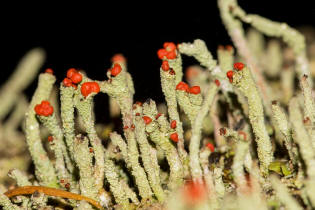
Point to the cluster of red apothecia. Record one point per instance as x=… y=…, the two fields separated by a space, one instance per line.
x=73 y=78
x=89 y=87
x=238 y=67
x=167 y=52
x=185 y=87
x=44 y=109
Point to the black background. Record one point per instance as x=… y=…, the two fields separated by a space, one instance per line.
x=86 y=37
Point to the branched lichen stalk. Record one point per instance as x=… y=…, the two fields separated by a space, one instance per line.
x=284 y=127
x=115 y=186
x=85 y=110
x=301 y=137
x=168 y=87
x=83 y=159
x=44 y=169
x=121 y=89
x=243 y=80
x=58 y=146
x=159 y=134
x=136 y=169
x=130 y=154
x=149 y=164
x=194 y=145
x=67 y=116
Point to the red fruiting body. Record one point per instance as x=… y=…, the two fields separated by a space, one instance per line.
x=194 y=193
x=217 y=82
x=191 y=73
x=115 y=70
x=118 y=58
x=91 y=150
x=161 y=53
x=67 y=186
x=173 y=124
x=76 y=78
x=222 y=131
x=238 y=66
x=210 y=147
x=169 y=46
x=137 y=114
x=174 y=137
x=44 y=109
x=194 y=90
x=229 y=75
x=125 y=127
x=132 y=126
x=89 y=87
x=49 y=71
x=147 y=119
x=50 y=138
x=169 y=51
x=67 y=82
x=165 y=65
x=182 y=86
x=171 y=55
x=71 y=72
x=158 y=115
x=73 y=77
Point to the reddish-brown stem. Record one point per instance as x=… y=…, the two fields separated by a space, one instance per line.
x=28 y=190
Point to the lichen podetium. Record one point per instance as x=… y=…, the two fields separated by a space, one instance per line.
x=234 y=132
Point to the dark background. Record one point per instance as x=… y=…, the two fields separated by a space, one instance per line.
x=87 y=37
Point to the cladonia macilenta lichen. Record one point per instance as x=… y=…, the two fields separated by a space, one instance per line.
x=233 y=133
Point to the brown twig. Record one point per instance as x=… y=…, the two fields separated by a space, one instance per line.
x=28 y=190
